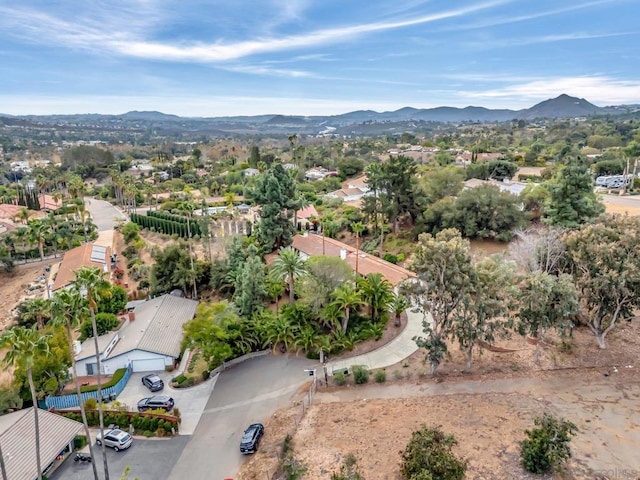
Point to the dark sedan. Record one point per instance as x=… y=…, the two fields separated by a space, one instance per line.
x=251 y=438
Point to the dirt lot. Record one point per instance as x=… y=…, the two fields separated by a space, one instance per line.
x=487 y=411
x=14 y=285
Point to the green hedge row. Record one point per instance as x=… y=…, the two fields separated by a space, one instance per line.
x=168 y=227
x=142 y=422
x=117 y=376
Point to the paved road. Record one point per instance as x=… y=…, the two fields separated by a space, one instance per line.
x=247 y=393
x=103 y=214
x=393 y=352
x=148 y=458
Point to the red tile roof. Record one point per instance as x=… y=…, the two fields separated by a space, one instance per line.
x=311 y=245
x=307 y=212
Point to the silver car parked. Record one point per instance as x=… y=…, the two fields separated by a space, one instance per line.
x=116 y=439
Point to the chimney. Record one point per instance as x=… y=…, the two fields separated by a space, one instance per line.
x=343 y=253
x=132 y=316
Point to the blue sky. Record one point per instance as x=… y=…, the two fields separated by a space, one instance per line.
x=312 y=57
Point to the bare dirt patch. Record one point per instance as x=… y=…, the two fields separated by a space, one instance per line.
x=14 y=285
x=488 y=418
x=487 y=410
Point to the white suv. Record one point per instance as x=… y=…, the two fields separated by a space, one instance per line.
x=117 y=439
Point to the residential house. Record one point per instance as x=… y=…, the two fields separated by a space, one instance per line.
x=87 y=255
x=311 y=244
x=149 y=339
x=17 y=437
x=251 y=172
x=318 y=173
x=48 y=203
x=514 y=188
x=353 y=190
x=304 y=217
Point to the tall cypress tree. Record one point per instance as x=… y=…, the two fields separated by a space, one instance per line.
x=276 y=193
x=572 y=200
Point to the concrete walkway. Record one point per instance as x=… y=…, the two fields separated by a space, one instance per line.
x=393 y=352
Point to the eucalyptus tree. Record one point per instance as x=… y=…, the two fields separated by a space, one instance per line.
x=91 y=283
x=606 y=268
x=444 y=268
x=24 y=344
x=70 y=308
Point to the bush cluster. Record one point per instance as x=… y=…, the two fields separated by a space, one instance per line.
x=360 y=374
x=141 y=422
x=117 y=376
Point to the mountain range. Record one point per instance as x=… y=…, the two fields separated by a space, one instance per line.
x=563 y=106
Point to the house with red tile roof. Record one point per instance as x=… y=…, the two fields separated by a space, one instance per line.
x=311 y=244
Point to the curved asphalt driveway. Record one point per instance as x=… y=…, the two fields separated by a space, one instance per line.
x=247 y=393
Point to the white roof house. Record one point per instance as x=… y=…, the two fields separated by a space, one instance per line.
x=149 y=340
x=17 y=437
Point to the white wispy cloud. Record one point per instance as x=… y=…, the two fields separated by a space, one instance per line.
x=526 y=17
x=43 y=27
x=599 y=89
x=553 y=38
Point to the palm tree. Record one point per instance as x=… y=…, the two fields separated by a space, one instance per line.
x=91 y=283
x=346 y=297
x=376 y=292
x=289 y=266
x=69 y=308
x=275 y=289
x=357 y=228
x=36 y=310
x=21 y=235
x=38 y=233
x=398 y=304
x=23 y=215
x=280 y=331
x=24 y=345
x=307 y=339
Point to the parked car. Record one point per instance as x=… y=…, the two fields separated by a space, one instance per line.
x=152 y=403
x=251 y=438
x=116 y=439
x=153 y=382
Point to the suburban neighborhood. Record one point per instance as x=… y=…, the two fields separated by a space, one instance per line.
x=197 y=328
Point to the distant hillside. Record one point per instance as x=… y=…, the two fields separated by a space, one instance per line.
x=152 y=116
x=563 y=106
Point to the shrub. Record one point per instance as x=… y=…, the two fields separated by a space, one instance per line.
x=79 y=442
x=148 y=434
x=339 y=378
x=547 y=446
x=428 y=455
x=390 y=257
x=397 y=374
x=117 y=376
x=205 y=375
x=105 y=322
x=179 y=379
x=380 y=376
x=90 y=403
x=360 y=374
x=160 y=432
